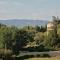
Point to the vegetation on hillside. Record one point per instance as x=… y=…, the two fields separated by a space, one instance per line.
x=28 y=38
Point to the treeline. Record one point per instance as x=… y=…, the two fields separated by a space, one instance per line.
x=15 y=39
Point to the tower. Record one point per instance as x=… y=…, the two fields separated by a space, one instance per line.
x=51 y=28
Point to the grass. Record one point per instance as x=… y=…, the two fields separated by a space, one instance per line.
x=52 y=58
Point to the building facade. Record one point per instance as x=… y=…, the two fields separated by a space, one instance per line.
x=51 y=28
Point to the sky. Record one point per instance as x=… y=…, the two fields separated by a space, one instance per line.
x=29 y=9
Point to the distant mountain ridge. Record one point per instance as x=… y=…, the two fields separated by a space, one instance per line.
x=22 y=22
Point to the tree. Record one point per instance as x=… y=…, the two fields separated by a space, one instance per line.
x=39 y=38
x=50 y=41
x=43 y=29
x=56 y=19
x=37 y=28
x=21 y=40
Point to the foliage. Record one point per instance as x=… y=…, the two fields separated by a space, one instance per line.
x=40 y=28
x=36 y=37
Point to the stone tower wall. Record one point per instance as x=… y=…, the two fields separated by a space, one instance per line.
x=51 y=27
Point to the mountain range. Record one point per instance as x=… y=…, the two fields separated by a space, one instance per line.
x=24 y=22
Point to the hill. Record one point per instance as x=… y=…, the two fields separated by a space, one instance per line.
x=23 y=22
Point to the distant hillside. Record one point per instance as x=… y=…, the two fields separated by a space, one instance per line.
x=21 y=23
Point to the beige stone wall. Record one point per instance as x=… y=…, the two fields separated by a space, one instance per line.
x=51 y=27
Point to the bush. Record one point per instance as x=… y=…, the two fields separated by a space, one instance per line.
x=26 y=56
x=46 y=55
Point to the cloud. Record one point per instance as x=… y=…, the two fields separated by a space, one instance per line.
x=27 y=9
x=18 y=3
x=45 y=15
x=3 y=2
x=9 y=2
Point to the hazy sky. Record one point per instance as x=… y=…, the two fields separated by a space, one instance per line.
x=29 y=9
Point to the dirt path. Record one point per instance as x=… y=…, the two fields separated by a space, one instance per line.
x=53 y=58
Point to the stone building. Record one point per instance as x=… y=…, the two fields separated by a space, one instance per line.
x=51 y=27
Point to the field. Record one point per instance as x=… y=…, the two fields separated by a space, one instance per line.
x=52 y=58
